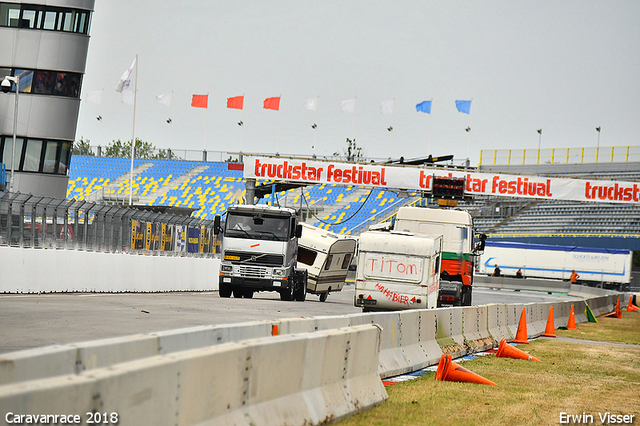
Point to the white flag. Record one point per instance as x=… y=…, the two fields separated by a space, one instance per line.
x=95 y=97
x=311 y=104
x=127 y=97
x=387 y=107
x=349 y=105
x=125 y=80
x=181 y=240
x=164 y=99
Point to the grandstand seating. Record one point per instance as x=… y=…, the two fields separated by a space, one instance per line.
x=210 y=187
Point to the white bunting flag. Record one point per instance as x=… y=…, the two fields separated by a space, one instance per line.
x=348 y=105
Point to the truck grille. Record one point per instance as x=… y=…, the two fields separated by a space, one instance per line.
x=252 y=272
x=250 y=259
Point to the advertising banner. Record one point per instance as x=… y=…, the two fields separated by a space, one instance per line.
x=193 y=243
x=181 y=239
x=421 y=179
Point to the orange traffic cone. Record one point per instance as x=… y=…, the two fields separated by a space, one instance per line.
x=571 y=325
x=631 y=307
x=505 y=350
x=521 y=335
x=550 y=330
x=617 y=313
x=452 y=372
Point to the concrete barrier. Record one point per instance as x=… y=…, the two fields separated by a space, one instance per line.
x=531 y=284
x=408 y=342
x=103 y=272
x=474 y=328
x=449 y=332
x=539 y=313
x=497 y=322
x=296 y=379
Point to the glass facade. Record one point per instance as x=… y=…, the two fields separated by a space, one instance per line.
x=40 y=82
x=41 y=17
x=36 y=155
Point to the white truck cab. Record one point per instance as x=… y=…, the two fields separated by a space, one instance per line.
x=398 y=270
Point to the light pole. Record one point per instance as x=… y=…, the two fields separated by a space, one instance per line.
x=598 y=146
x=6 y=88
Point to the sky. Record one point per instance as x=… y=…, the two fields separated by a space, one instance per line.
x=563 y=66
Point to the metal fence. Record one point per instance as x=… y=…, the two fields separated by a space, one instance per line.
x=605 y=154
x=30 y=221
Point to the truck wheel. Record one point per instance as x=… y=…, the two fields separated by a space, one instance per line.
x=247 y=293
x=301 y=285
x=237 y=293
x=466 y=295
x=323 y=296
x=225 y=290
x=287 y=293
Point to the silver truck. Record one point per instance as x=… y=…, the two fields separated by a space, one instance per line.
x=259 y=252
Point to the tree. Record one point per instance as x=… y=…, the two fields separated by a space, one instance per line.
x=353 y=152
x=82 y=147
x=144 y=150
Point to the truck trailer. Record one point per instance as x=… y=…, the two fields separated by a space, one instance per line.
x=609 y=268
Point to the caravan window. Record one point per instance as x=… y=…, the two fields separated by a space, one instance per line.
x=345 y=261
x=306 y=256
x=327 y=263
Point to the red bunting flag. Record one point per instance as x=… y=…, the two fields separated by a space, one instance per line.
x=272 y=103
x=200 y=101
x=235 y=102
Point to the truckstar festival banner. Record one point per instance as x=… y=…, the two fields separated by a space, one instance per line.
x=421 y=179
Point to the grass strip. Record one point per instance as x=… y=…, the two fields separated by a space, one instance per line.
x=579 y=379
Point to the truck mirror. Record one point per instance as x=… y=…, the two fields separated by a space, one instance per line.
x=298 y=230
x=216 y=225
x=481 y=244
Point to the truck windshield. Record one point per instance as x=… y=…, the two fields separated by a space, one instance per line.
x=275 y=228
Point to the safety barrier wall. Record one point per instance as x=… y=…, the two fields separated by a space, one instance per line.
x=532 y=284
x=410 y=339
x=299 y=379
x=47 y=270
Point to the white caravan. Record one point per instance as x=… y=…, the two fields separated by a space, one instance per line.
x=397 y=270
x=326 y=257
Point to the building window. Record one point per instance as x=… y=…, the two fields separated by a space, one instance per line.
x=9 y=14
x=54 y=83
x=36 y=155
x=41 y=17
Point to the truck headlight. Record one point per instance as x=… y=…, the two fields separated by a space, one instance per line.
x=279 y=272
x=226 y=268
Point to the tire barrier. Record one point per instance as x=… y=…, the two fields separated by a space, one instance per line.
x=310 y=378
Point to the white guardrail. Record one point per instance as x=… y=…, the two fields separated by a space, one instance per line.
x=292 y=371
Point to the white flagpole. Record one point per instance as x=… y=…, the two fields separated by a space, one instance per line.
x=353 y=121
x=133 y=138
x=170 y=114
x=315 y=131
x=430 y=128
x=242 y=127
x=279 y=120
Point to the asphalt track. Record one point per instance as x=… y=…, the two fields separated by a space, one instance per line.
x=29 y=321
